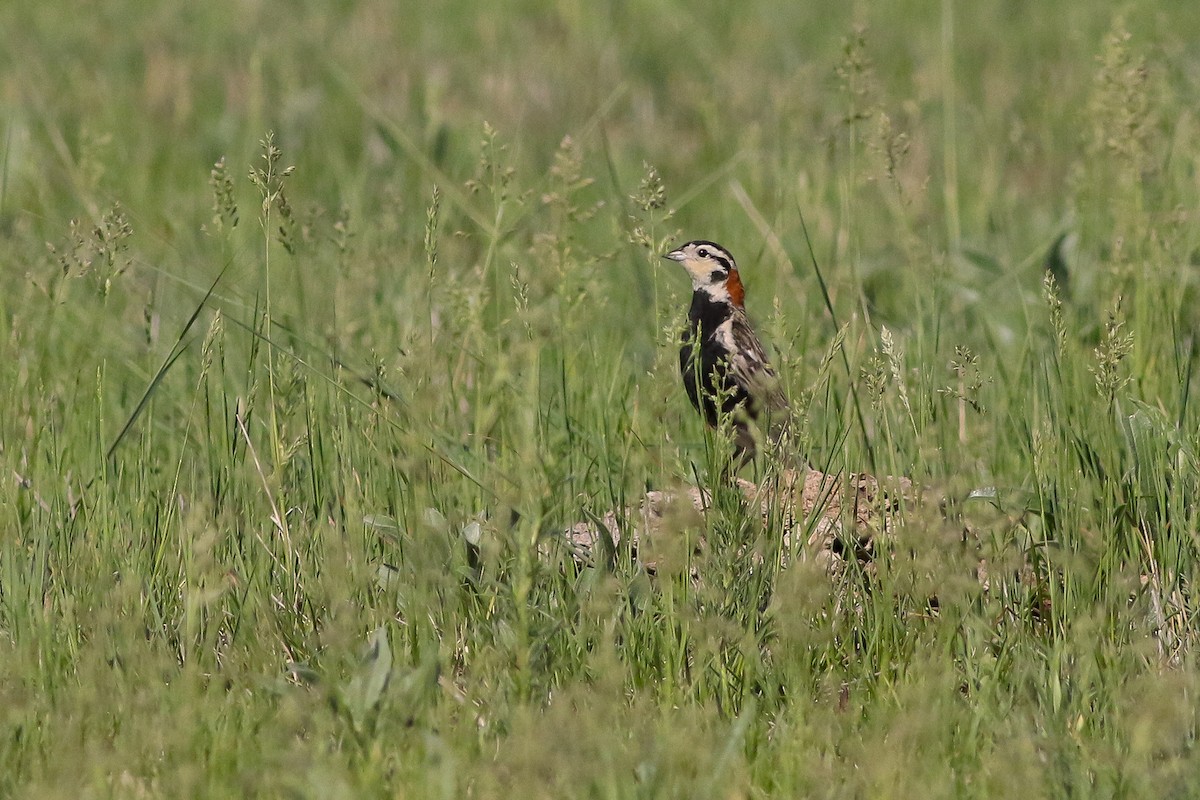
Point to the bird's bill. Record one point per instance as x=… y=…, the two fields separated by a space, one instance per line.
x=674 y=255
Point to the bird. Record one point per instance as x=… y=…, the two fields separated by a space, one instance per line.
x=724 y=366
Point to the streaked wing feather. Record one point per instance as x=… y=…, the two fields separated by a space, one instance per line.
x=749 y=367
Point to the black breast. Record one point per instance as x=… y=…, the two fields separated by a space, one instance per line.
x=704 y=362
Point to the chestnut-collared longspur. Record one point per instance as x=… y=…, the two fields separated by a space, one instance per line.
x=725 y=370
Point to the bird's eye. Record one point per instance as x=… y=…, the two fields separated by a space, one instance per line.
x=702 y=252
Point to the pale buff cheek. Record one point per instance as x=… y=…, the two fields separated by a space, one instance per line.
x=701 y=276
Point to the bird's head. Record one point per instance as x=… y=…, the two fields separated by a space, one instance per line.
x=712 y=269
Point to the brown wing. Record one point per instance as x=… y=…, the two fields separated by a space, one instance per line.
x=767 y=405
x=750 y=369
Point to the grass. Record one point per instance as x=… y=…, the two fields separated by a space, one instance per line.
x=285 y=457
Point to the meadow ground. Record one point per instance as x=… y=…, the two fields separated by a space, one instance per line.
x=284 y=452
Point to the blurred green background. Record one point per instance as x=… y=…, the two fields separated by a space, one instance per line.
x=254 y=425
